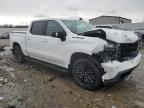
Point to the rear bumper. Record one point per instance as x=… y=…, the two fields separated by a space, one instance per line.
x=115 y=70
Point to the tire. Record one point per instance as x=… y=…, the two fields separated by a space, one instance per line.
x=19 y=56
x=86 y=74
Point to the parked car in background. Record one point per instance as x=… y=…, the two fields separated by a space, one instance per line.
x=5 y=35
x=143 y=37
x=141 y=31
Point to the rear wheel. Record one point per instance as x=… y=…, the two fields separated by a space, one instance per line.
x=86 y=74
x=19 y=56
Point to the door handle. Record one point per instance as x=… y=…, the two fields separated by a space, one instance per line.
x=28 y=39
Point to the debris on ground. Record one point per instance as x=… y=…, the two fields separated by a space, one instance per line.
x=97 y=99
x=114 y=107
x=1 y=57
x=1 y=98
x=109 y=95
x=2 y=47
x=15 y=102
x=53 y=86
x=3 y=81
x=12 y=75
x=8 y=69
x=51 y=78
x=139 y=104
x=25 y=80
x=3 y=68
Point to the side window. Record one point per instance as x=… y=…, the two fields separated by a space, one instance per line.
x=39 y=27
x=54 y=27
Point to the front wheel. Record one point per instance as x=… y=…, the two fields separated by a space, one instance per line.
x=86 y=74
x=19 y=56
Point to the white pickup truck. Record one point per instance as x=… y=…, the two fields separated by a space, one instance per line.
x=95 y=57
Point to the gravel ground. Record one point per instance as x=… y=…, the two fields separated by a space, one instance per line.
x=31 y=85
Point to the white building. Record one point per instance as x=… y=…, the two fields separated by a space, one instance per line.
x=109 y=20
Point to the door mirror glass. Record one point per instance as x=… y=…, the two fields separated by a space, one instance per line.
x=54 y=29
x=61 y=35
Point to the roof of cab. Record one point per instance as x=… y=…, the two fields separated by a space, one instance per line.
x=56 y=19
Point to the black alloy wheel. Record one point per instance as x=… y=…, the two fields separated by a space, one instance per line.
x=86 y=74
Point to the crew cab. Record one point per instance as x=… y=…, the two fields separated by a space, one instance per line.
x=94 y=57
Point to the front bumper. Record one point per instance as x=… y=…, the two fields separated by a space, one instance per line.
x=115 y=69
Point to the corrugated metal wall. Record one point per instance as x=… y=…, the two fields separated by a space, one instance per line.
x=132 y=26
x=108 y=20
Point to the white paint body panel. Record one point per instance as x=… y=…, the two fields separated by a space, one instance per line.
x=19 y=38
x=120 y=36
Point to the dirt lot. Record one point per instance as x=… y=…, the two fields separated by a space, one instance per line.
x=31 y=85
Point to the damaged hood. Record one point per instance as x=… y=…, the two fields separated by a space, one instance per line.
x=120 y=36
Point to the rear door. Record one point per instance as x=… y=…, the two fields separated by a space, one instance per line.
x=54 y=46
x=36 y=39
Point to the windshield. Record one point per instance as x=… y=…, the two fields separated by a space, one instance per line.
x=78 y=26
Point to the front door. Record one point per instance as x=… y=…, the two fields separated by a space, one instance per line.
x=43 y=45
x=54 y=45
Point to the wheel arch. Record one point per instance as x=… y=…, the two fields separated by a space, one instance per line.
x=76 y=55
x=93 y=59
x=15 y=44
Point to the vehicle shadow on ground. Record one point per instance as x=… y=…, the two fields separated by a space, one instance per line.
x=48 y=70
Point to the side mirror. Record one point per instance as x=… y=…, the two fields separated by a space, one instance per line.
x=61 y=35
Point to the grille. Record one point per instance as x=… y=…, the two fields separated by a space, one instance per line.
x=128 y=50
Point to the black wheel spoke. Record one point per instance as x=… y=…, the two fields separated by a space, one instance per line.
x=82 y=79
x=91 y=76
x=91 y=81
x=88 y=82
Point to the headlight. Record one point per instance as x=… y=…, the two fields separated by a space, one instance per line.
x=110 y=45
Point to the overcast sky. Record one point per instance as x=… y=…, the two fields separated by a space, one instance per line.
x=23 y=11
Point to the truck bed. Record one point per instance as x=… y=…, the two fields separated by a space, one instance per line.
x=18 y=37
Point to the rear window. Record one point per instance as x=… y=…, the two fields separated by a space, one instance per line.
x=39 y=27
